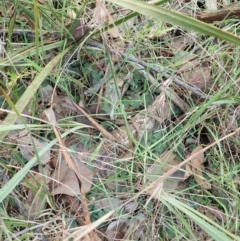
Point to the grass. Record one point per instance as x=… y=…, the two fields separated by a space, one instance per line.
x=124 y=200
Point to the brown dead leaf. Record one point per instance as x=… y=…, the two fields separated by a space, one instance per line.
x=79 y=30
x=74 y=166
x=66 y=180
x=85 y=173
x=199 y=77
x=46 y=93
x=117 y=230
x=196 y=167
x=102 y=17
x=167 y=161
x=136 y=228
x=35 y=201
x=217 y=213
x=69 y=184
x=63 y=107
x=94 y=237
x=179 y=44
x=24 y=141
x=36 y=204
x=108 y=204
x=38 y=178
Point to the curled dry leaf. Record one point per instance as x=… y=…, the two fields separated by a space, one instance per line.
x=25 y=142
x=195 y=166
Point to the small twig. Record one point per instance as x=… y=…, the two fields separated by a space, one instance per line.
x=154 y=184
x=220 y=15
x=108 y=135
x=156 y=69
x=51 y=117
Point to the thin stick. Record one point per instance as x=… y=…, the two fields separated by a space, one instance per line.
x=156 y=69
x=51 y=117
x=155 y=183
x=108 y=135
x=220 y=15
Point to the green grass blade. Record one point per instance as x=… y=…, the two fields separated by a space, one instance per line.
x=36 y=29
x=212 y=228
x=31 y=90
x=16 y=179
x=27 y=51
x=30 y=14
x=177 y=19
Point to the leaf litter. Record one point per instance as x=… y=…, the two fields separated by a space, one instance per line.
x=166 y=161
x=78 y=170
x=66 y=182
x=196 y=167
x=29 y=145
